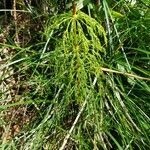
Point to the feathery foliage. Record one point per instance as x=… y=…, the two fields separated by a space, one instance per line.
x=75 y=75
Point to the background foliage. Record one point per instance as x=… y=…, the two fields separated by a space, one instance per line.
x=75 y=75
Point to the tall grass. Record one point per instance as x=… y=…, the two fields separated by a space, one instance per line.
x=81 y=78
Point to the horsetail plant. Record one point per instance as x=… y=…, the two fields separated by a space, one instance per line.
x=80 y=82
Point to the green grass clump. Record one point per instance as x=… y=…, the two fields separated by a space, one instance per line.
x=80 y=80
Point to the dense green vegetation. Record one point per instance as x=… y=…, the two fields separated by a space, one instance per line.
x=75 y=75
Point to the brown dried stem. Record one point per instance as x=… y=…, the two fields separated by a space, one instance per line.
x=15 y=20
x=74 y=8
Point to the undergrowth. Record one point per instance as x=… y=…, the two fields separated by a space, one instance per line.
x=76 y=77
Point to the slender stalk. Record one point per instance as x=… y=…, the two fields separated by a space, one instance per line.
x=16 y=10
x=4 y=1
x=108 y=27
x=76 y=120
x=15 y=20
x=74 y=8
x=124 y=73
